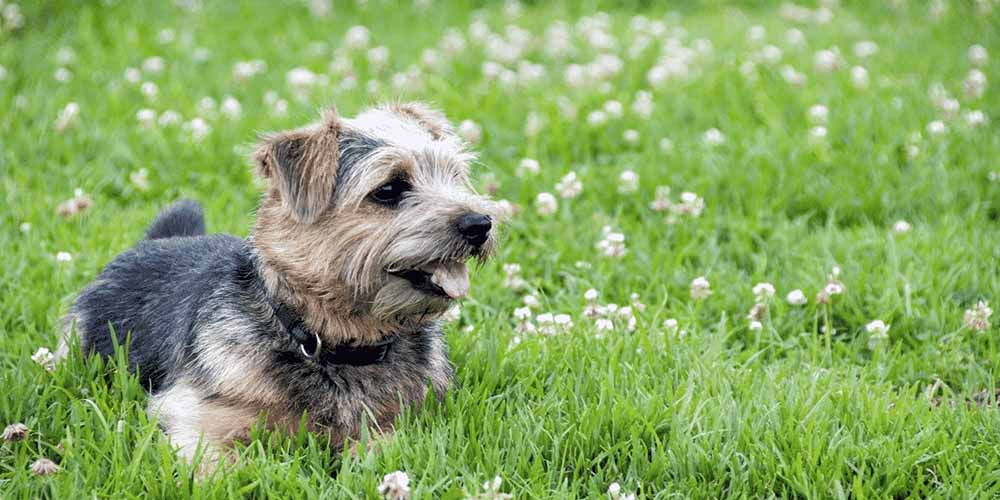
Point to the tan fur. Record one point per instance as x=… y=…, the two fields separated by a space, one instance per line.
x=323 y=248
x=332 y=267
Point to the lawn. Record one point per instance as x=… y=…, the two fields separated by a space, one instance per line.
x=850 y=152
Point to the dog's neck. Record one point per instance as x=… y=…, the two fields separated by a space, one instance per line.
x=330 y=313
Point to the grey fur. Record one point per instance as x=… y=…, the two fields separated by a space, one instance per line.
x=195 y=310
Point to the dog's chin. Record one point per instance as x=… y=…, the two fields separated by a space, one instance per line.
x=422 y=292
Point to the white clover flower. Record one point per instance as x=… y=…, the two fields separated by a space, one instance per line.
x=452 y=314
x=818 y=114
x=936 y=128
x=470 y=131
x=770 y=54
x=432 y=59
x=603 y=325
x=978 y=55
x=140 y=179
x=671 y=325
x=756 y=326
x=901 y=227
x=792 y=76
x=612 y=244
x=662 y=200
x=531 y=301
x=763 y=291
x=794 y=37
x=244 y=70
x=146 y=118
x=64 y=257
x=207 y=105
x=950 y=107
x=44 y=467
x=378 y=56
x=975 y=118
x=614 y=109
x=65 y=56
x=859 y=77
x=643 y=104
x=567 y=109
x=153 y=65
x=796 y=298
x=631 y=136
x=452 y=42
x=546 y=204
x=570 y=186
x=522 y=313
x=62 y=75
x=865 y=49
x=700 y=288
x=513 y=279
x=25 y=227
x=527 y=166
x=395 y=486
x=169 y=118
x=231 y=108
x=44 y=358
x=690 y=205
x=827 y=60
x=833 y=288
x=533 y=124
x=628 y=182
x=197 y=129
x=974 y=84
x=597 y=118
x=636 y=303
x=491 y=491
x=877 y=328
x=614 y=490
x=978 y=318
x=357 y=37
x=756 y=34
x=200 y=54
x=150 y=90
x=68 y=117
x=590 y=295
x=301 y=79
x=817 y=134
x=713 y=137
x=15 y=432
x=563 y=321
x=166 y=36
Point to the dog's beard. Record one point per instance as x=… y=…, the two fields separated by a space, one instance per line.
x=398 y=301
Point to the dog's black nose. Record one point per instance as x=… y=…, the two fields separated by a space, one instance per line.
x=475 y=228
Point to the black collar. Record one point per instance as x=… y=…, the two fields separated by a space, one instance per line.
x=311 y=346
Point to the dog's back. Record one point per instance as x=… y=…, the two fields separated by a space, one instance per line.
x=153 y=291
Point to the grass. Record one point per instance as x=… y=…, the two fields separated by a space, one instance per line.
x=723 y=411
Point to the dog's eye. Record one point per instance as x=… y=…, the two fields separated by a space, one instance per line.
x=391 y=192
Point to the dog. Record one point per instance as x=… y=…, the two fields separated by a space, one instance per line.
x=330 y=308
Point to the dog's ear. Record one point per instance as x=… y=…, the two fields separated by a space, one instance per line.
x=302 y=166
x=430 y=119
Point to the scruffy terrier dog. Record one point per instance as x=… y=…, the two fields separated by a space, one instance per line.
x=331 y=307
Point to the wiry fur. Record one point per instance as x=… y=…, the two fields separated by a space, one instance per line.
x=204 y=337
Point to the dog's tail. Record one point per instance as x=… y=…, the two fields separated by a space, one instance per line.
x=183 y=218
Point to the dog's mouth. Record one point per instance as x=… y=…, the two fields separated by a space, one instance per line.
x=444 y=279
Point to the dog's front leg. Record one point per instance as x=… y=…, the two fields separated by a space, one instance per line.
x=191 y=421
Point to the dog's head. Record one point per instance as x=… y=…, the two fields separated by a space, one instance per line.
x=375 y=212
